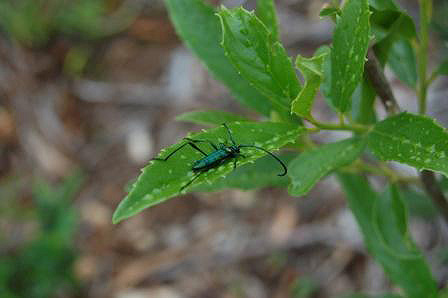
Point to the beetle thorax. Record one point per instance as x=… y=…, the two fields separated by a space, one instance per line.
x=234 y=149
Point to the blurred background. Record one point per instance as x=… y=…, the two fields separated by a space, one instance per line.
x=89 y=90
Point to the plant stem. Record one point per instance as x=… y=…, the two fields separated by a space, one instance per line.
x=432 y=77
x=425 y=18
x=433 y=190
x=335 y=3
x=379 y=171
x=427 y=177
x=379 y=82
x=341 y=119
x=331 y=126
x=360 y=166
x=384 y=91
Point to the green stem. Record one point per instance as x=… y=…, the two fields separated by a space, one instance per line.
x=432 y=77
x=427 y=177
x=331 y=126
x=341 y=119
x=360 y=166
x=335 y=3
x=425 y=18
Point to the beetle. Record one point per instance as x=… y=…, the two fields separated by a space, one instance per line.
x=221 y=153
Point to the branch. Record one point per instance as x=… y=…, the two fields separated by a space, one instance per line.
x=380 y=84
x=384 y=91
x=433 y=189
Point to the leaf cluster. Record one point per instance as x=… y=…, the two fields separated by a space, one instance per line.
x=34 y=22
x=242 y=49
x=43 y=266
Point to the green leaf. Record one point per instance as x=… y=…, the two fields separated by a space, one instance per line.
x=267 y=14
x=393 y=46
x=325 y=86
x=408 y=268
x=395 y=24
x=444 y=184
x=443 y=292
x=307 y=169
x=330 y=11
x=350 y=43
x=402 y=61
x=311 y=69
x=411 y=139
x=363 y=99
x=385 y=295
x=197 y=24
x=210 y=118
x=381 y=23
x=25 y=22
x=419 y=204
x=253 y=175
x=303 y=287
x=383 y=4
x=56 y=215
x=260 y=59
x=89 y=19
x=161 y=180
x=388 y=20
x=390 y=220
x=443 y=68
x=393 y=30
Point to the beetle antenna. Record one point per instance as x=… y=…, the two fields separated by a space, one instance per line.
x=285 y=169
x=230 y=133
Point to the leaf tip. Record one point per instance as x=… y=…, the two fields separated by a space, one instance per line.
x=222 y=8
x=116 y=217
x=119 y=213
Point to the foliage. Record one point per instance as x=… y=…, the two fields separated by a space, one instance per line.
x=383 y=222
x=186 y=15
x=310 y=166
x=311 y=69
x=243 y=50
x=258 y=57
x=350 y=42
x=34 y=22
x=415 y=140
x=160 y=180
x=43 y=266
x=304 y=288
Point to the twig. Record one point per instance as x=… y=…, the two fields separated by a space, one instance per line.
x=432 y=188
x=380 y=84
x=427 y=177
x=384 y=91
x=422 y=53
x=331 y=126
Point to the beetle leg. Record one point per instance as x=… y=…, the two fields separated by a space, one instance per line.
x=235 y=159
x=229 y=133
x=177 y=149
x=202 y=141
x=191 y=181
x=169 y=155
x=197 y=148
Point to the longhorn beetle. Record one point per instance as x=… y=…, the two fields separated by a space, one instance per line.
x=221 y=153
